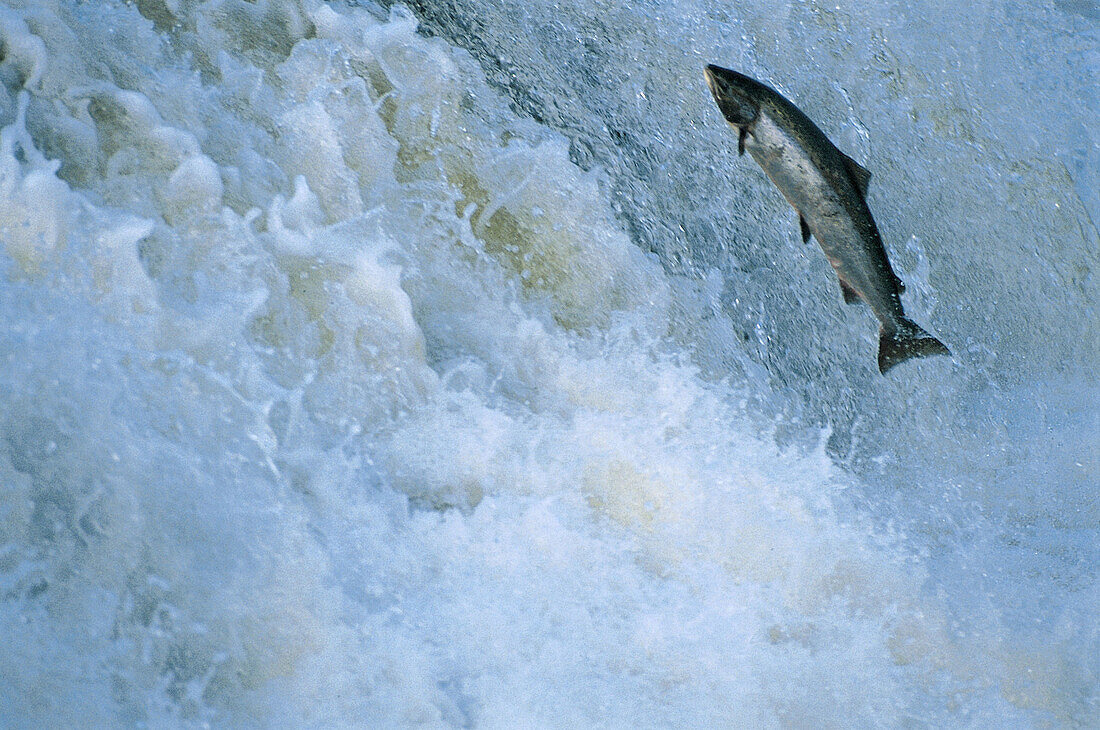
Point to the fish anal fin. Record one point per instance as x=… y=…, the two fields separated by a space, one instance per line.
x=744 y=132
x=861 y=176
x=850 y=294
x=806 y=233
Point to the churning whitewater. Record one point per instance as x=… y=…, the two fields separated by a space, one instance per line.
x=369 y=366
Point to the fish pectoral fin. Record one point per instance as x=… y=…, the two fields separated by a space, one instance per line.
x=861 y=176
x=805 y=229
x=744 y=132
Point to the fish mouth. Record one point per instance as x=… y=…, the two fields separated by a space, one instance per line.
x=729 y=82
x=710 y=73
x=733 y=92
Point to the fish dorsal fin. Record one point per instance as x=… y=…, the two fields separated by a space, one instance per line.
x=861 y=176
x=851 y=296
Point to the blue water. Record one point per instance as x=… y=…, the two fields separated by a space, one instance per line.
x=443 y=365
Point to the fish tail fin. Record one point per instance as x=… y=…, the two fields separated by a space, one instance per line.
x=905 y=341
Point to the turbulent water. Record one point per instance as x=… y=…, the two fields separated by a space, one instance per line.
x=443 y=366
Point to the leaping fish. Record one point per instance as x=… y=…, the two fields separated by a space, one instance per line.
x=828 y=189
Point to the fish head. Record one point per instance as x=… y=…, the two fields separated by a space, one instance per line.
x=735 y=94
